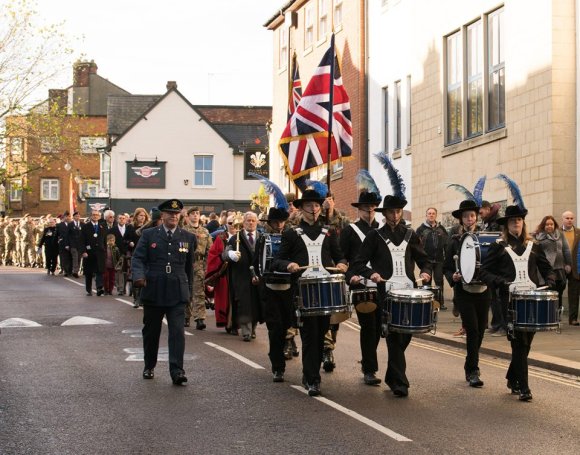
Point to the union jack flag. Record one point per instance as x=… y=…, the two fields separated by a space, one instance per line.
x=295 y=89
x=304 y=142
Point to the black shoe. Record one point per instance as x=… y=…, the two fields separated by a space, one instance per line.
x=75 y=275
x=328 y=361
x=247 y=338
x=89 y=294
x=371 y=379
x=179 y=378
x=474 y=380
x=278 y=376
x=514 y=387
x=288 y=350
x=400 y=391
x=295 y=352
x=100 y=292
x=186 y=323
x=314 y=389
x=148 y=373
x=526 y=395
x=200 y=324
x=135 y=304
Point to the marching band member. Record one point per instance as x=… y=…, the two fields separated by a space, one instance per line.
x=513 y=263
x=350 y=242
x=311 y=242
x=384 y=248
x=472 y=300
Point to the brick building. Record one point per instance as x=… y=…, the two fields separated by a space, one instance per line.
x=55 y=146
x=304 y=27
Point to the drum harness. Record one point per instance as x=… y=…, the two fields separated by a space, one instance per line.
x=314 y=247
x=356 y=229
x=399 y=278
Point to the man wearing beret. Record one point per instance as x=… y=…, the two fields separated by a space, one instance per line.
x=162 y=265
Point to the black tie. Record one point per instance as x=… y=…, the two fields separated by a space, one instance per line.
x=251 y=239
x=169 y=236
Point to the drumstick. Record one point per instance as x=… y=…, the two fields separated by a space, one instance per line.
x=456 y=259
x=542 y=288
x=332 y=269
x=419 y=282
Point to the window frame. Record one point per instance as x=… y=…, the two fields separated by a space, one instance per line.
x=90 y=183
x=48 y=144
x=94 y=142
x=308 y=26
x=53 y=182
x=322 y=19
x=15 y=195
x=397 y=117
x=20 y=148
x=386 y=117
x=204 y=171
x=283 y=48
x=337 y=16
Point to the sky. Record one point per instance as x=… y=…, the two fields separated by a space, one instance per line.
x=217 y=50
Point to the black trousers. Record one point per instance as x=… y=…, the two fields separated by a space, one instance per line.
x=437 y=277
x=152 y=322
x=370 y=334
x=498 y=310
x=312 y=336
x=474 y=309
x=65 y=261
x=397 y=365
x=573 y=298
x=51 y=255
x=518 y=369
x=279 y=315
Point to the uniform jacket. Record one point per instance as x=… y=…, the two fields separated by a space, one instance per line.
x=62 y=230
x=350 y=242
x=375 y=250
x=167 y=270
x=95 y=247
x=74 y=235
x=204 y=242
x=49 y=239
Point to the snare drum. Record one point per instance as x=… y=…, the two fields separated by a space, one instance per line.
x=436 y=290
x=322 y=296
x=364 y=300
x=535 y=311
x=410 y=310
x=272 y=244
x=486 y=239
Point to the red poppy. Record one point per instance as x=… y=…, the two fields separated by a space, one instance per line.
x=153 y=245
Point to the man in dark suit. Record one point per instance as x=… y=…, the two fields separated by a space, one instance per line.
x=63 y=253
x=75 y=242
x=162 y=265
x=93 y=252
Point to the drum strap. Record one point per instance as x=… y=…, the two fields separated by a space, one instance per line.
x=314 y=247
x=399 y=278
x=522 y=280
x=362 y=237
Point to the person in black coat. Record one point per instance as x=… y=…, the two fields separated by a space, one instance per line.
x=162 y=266
x=75 y=242
x=93 y=252
x=351 y=239
x=49 y=240
x=63 y=252
x=294 y=255
x=498 y=268
x=376 y=249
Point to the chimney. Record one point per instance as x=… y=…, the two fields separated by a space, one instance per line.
x=171 y=85
x=81 y=72
x=58 y=99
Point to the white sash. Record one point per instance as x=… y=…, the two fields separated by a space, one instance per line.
x=522 y=280
x=315 y=268
x=399 y=278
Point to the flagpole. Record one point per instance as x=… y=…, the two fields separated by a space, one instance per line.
x=330 y=118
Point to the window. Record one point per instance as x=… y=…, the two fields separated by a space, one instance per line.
x=454 y=79
x=322 y=19
x=408 y=110
x=105 y=173
x=475 y=79
x=337 y=13
x=48 y=144
x=308 y=25
x=386 y=118
x=90 y=188
x=283 y=48
x=15 y=194
x=16 y=147
x=496 y=68
x=398 y=115
x=89 y=144
x=203 y=174
x=49 y=190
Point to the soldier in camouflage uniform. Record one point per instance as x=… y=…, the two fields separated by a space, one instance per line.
x=3 y=224
x=196 y=307
x=10 y=243
x=28 y=244
x=38 y=233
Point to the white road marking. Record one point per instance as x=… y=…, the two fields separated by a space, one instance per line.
x=352 y=325
x=19 y=322
x=136 y=355
x=235 y=355
x=355 y=415
x=84 y=320
x=74 y=281
x=140 y=308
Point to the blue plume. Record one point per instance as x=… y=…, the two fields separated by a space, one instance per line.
x=271 y=188
x=397 y=182
x=478 y=190
x=317 y=186
x=365 y=182
x=466 y=193
x=514 y=190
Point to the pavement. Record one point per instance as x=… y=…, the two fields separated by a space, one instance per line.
x=551 y=350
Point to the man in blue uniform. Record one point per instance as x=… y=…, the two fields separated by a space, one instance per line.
x=162 y=265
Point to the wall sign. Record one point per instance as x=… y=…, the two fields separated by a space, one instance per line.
x=146 y=174
x=258 y=162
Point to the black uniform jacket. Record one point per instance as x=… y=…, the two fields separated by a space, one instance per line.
x=167 y=266
x=375 y=250
x=75 y=238
x=95 y=247
x=498 y=268
x=350 y=242
x=293 y=249
x=49 y=239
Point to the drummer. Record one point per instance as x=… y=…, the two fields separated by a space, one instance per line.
x=351 y=240
x=275 y=294
x=293 y=257
x=472 y=300
x=378 y=248
x=499 y=268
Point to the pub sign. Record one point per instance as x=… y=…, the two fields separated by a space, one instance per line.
x=146 y=174
x=258 y=162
